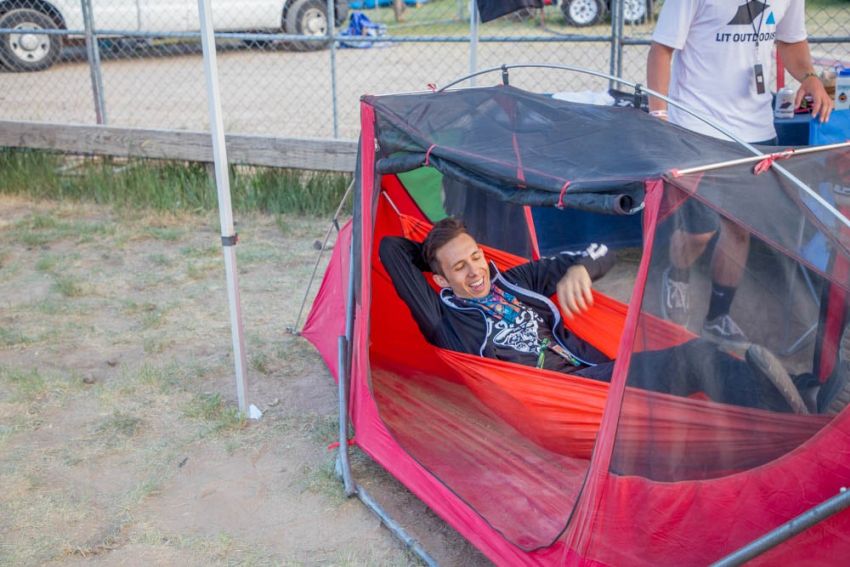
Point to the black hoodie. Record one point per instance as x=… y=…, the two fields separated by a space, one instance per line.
x=451 y=323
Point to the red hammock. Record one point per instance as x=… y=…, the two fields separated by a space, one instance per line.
x=562 y=413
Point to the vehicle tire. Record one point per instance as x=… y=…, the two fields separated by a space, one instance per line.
x=635 y=11
x=307 y=17
x=583 y=13
x=28 y=51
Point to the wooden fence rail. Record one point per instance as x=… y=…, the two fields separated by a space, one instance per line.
x=295 y=153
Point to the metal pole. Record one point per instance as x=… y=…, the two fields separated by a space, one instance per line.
x=621 y=20
x=473 y=38
x=395 y=528
x=616 y=38
x=753 y=159
x=225 y=210
x=787 y=530
x=331 y=33
x=93 y=53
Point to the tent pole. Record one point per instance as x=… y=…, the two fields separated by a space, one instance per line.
x=395 y=528
x=343 y=464
x=787 y=530
x=473 y=38
x=344 y=377
x=225 y=210
x=730 y=163
x=334 y=224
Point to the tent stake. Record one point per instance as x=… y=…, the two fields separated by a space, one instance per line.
x=787 y=530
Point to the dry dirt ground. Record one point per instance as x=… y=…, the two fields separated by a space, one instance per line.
x=119 y=443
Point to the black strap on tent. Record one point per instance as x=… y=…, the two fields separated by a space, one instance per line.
x=230 y=240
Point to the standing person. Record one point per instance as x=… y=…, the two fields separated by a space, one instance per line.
x=715 y=57
x=398 y=10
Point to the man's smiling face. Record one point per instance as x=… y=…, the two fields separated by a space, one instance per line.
x=464 y=267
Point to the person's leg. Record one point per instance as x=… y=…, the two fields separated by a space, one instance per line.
x=695 y=227
x=696 y=366
x=685 y=248
x=601 y=372
x=398 y=10
x=727 y=268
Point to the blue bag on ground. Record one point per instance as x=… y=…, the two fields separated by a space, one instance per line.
x=359 y=25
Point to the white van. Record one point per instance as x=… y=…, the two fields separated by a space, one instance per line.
x=28 y=50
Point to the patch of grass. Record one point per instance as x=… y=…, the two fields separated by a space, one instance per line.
x=164 y=378
x=167 y=234
x=47 y=263
x=200 y=251
x=260 y=362
x=67 y=286
x=163 y=186
x=199 y=270
x=52 y=306
x=152 y=318
x=119 y=426
x=322 y=480
x=12 y=337
x=284 y=191
x=29 y=385
x=322 y=429
x=160 y=260
x=41 y=229
x=214 y=413
x=155 y=344
x=259 y=254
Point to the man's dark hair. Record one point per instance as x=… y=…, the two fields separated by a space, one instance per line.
x=442 y=232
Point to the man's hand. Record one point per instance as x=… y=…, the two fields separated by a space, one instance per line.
x=574 y=291
x=821 y=102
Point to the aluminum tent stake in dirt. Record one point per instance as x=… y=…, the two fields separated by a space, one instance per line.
x=535 y=467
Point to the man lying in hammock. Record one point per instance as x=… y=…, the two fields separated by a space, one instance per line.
x=509 y=316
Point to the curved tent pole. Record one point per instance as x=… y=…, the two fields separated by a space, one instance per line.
x=637 y=86
x=334 y=225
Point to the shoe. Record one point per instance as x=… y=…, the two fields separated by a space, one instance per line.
x=774 y=378
x=723 y=329
x=835 y=394
x=674 y=299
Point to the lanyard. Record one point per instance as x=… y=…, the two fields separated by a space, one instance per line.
x=756 y=30
x=499 y=305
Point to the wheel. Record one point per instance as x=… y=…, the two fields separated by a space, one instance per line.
x=635 y=11
x=583 y=13
x=28 y=50
x=307 y=17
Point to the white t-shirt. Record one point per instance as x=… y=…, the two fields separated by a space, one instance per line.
x=713 y=65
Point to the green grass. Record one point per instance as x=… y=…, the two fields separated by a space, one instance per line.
x=28 y=385
x=67 y=286
x=159 y=186
x=12 y=337
x=211 y=410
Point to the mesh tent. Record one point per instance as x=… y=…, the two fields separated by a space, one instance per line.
x=535 y=467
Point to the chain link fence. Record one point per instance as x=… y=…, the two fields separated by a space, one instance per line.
x=288 y=68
